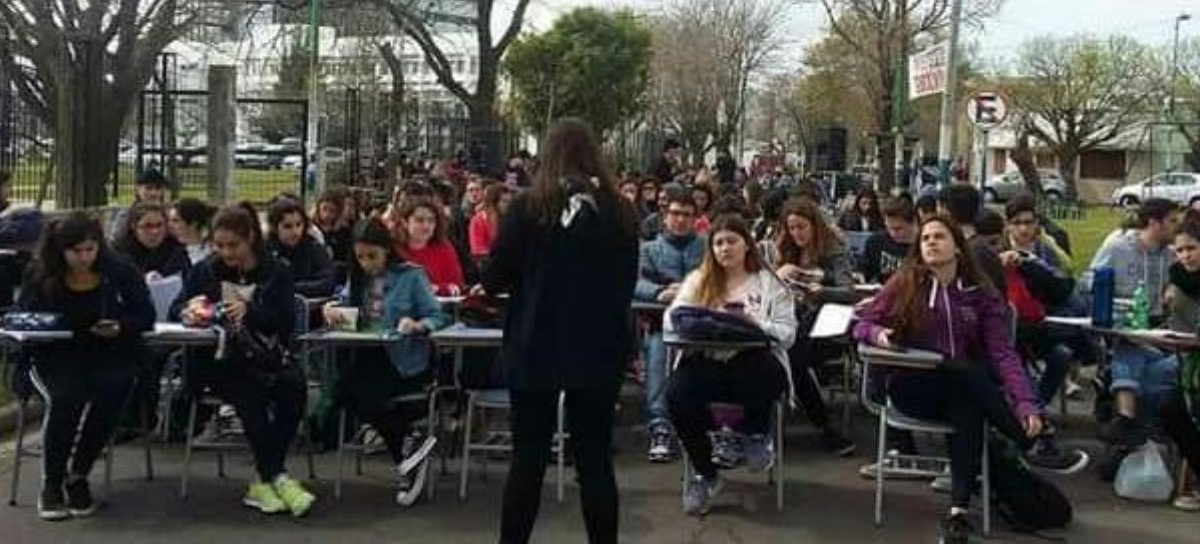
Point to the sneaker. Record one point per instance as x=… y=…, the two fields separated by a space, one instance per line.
x=662 y=445
x=895 y=469
x=79 y=497
x=263 y=497
x=836 y=443
x=727 y=449
x=297 y=499
x=1123 y=431
x=419 y=453
x=52 y=506
x=1047 y=455
x=411 y=485
x=956 y=529
x=760 y=452
x=1188 y=502
x=372 y=442
x=698 y=494
x=1073 y=390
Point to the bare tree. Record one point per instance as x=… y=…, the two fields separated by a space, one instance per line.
x=79 y=67
x=706 y=54
x=1080 y=93
x=411 y=18
x=882 y=33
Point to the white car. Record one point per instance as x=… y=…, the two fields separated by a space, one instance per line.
x=293 y=161
x=1182 y=187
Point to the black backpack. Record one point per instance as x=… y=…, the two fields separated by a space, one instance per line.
x=1026 y=500
x=698 y=323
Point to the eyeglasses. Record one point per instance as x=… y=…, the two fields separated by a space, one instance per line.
x=677 y=213
x=1022 y=222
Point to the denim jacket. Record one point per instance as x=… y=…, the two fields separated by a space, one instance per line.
x=407 y=293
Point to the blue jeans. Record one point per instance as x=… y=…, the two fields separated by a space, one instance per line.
x=655 y=353
x=1148 y=373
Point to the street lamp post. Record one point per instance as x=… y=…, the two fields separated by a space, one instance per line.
x=1168 y=162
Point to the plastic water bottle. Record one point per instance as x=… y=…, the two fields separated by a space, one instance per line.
x=1141 y=308
x=1103 y=284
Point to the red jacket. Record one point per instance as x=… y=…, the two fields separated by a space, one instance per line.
x=440 y=262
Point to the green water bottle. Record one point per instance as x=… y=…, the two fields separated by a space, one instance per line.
x=1141 y=308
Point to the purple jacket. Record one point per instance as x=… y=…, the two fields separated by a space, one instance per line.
x=964 y=322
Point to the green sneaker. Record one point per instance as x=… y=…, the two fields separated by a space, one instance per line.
x=297 y=499
x=263 y=497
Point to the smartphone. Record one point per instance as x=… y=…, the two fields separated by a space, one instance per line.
x=107 y=324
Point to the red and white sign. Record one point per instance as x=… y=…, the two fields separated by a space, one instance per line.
x=987 y=110
x=927 y=71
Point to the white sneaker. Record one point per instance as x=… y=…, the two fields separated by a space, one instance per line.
x=412 y=485
x=418 y=455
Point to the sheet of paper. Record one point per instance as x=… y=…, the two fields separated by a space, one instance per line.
x=163 y=292
x=832 y=320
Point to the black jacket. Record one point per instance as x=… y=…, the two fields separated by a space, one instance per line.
x=271 y=311
x=168 y=259
x=312 y=269
x=568 y=323
x=123 y=294
x=881 y=257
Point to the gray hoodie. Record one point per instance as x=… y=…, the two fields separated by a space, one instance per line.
x=1133 y=262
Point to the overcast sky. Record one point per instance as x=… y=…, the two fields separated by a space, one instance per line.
x=1151 y=21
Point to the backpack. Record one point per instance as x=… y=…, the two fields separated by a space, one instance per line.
x=1026 y=500
x=699 y=323
x=22 y=228
x=1029 y=308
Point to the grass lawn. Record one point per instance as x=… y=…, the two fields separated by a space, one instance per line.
x=251 y=184
x=1088 y=233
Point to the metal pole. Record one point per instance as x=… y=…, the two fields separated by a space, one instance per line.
x=983 y=161
x=1169 y=145
x=946 y=133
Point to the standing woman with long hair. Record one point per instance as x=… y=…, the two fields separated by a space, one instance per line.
x=105 y=303
x=567 y=252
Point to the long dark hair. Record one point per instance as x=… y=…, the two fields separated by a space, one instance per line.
x=572 y=150
x=280 y=209
x=909 y=283
x=50 y=267
x=874 y=216
x=825 y=241
x=370 y=231
x=241 y=220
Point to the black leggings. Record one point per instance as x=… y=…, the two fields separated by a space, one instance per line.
x=68 y=384
x=367 y=385
x=965 y=396
x=589 y=420
x=753 y=379
x=806 y=356
x=270 y=409
x=1179 y=425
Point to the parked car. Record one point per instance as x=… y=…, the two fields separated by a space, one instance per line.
x=1004 y=187
x=1182 y=187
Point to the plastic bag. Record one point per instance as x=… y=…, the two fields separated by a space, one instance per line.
x=1143 y=475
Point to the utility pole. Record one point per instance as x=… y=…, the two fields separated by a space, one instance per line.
x=900 y=97
x=1169 y=125
x=946 y=134
x=313 y=183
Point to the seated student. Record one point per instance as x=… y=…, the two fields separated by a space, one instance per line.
x=425 y=244
x=150 y=188
x=808 y=255
x=332 y=218
x=652 y=225
x=885 y=251
x=940 y=301
x=486 y=222
x=702 y=195
x=664 y=263
x=1180 y=411
x=288 y=240
x=1139 y=255
x=734 y=279
x=444 y=197
x=864 y=216
x=390 y=295
x=154 y=252
x=254 y=293
x=106 y=305
x=927 y=205
x=188 y=221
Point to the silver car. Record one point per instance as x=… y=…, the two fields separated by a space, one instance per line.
x=1004 y=187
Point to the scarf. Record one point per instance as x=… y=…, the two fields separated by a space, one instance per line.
x=579 y=194
x=1188 y=282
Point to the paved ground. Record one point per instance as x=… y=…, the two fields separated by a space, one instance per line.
x=827 y=502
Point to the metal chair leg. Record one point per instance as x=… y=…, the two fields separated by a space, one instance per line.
x=434 y=430
x=466 y=449
x=341 y=448
x=780 y=459
x=987 y=485
x=880 y=455
x=221 y=464
x=187 y=448
x=15 y=481
x=146 y=445
x=561 y=439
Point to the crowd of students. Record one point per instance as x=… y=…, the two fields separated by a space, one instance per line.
x=954 y=278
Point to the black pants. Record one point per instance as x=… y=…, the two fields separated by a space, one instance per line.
x=367 y=385
x=270 y=407
x=1179 y=425
x=753 y=379
x=965 y=396
x=68 y=384
x=806 y=356
x=589 y=419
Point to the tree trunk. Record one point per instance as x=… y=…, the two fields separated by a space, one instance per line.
x=1022 y=156
x=1068 y=156
x=484 y=137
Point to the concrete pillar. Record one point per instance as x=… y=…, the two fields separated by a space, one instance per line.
x=222 y=132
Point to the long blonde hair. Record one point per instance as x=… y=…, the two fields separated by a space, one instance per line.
x=712 y=288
